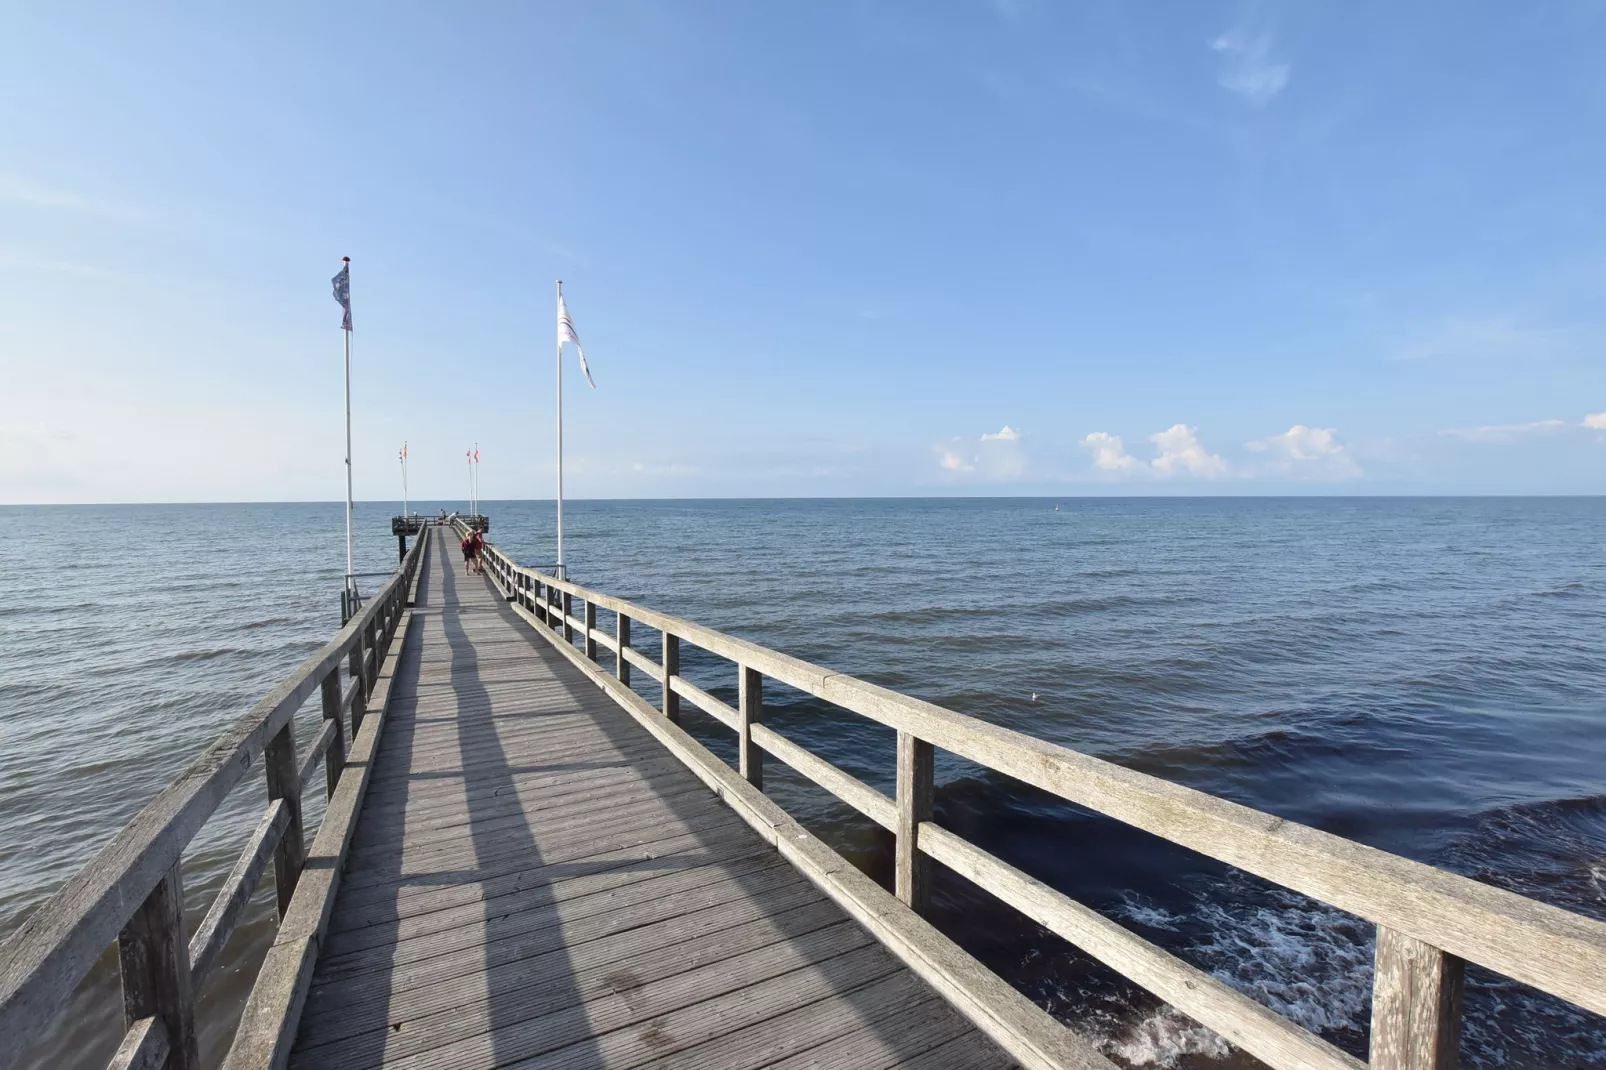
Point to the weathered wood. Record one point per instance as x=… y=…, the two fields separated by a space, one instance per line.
x=568 y=628
x=667 y=673
x=155 y=965
x=284 y=782
x=1258 y=1030
x=641 y=661
x=1416 y=1005
x=857 y=794
x=590 y=631
x=321 y=744
x=749 y=712
x=208 y=941
x=621 y=650
x=710 y=705
x=1549 y=948
x=916 y=795
x=144 y=1047
x=334 y=711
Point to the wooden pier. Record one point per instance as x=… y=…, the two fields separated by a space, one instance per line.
x=525 y=863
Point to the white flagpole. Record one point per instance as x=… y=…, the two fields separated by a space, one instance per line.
x=476 y=479
x=561 y=572
x=351 y=579
x=470 y=459
x=405 y=511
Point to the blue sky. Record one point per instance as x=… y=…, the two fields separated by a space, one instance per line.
x=813 y=249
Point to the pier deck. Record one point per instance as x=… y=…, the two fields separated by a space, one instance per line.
x=535 y=881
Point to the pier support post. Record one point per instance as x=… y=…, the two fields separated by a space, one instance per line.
x=916 y=793
x=1416 y=1005
x=621 y=666
x=591 y=627
x=334 y=761
x=401 y=548
x=279 y=761
x=749 y=710
x=671 y=668
x=356 y=669
x=568 y=629
x=153 y=954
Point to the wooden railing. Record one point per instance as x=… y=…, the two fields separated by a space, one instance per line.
x=1429 y=922
x=132 y=893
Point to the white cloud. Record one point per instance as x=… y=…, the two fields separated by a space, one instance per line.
x=1008 y=434
x=994 y=457
x=953 y=462
x=1505 y=432
x=1306 y=453
x=1108 y=452
x=1596 y=421
x=1246 y=65
x=1181 y=451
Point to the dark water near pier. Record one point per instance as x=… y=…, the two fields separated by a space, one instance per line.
x=1427 y=676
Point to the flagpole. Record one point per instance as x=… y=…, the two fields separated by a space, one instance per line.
x=405 y=510
x=351 y=580
x=561 y=572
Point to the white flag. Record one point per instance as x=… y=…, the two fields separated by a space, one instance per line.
x=566 y=333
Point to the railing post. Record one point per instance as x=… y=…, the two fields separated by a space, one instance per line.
x=916 y=791
x=568 y=630
x=153 y=953
x=1416 y=1005
x=750 y=710
x=334 y=760
x=355 y=671
x=671 y=668
x=621 y=667
x=279 y=761
x=591 y=627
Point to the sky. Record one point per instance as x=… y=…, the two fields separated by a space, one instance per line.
x=825 y=248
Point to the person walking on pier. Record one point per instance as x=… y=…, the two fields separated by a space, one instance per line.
x=470 y=552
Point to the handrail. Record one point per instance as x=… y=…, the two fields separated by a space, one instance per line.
x=1430 y=922
x=131 y=892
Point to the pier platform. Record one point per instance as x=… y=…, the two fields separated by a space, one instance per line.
x=535 y=881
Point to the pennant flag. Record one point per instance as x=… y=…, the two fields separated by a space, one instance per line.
x=342 y=283
x=566 y=333
x=476 y=456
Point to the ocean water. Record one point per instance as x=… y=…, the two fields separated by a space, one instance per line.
x=1424 y=675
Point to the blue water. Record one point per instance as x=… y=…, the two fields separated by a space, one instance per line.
x=1423 y=675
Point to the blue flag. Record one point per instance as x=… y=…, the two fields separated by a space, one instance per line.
x=342 y=283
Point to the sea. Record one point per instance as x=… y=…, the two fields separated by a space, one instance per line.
x=1424 y=675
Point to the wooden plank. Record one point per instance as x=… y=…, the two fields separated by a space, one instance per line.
x=284 y=784
x=710 y=705
x=334 y=712
x=155 y=967
x=621 y=649
x=916 y=796
x=590 y=632
x=1416 y=1005
x=144 y=1047
x=315 y=753
x=215 y=928
x=750 y=711
x=1258 y=1030
x=856 y=793
x=670 y=670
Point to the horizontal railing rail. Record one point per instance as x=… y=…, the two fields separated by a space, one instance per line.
x=131 y=893
x=1429 y=922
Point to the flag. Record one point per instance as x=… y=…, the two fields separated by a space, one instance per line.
x=566 y=333
x=476 y=456
x=342 y=283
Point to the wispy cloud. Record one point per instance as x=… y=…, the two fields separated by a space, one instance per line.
x=1486 y=337
x=1247 y=67
x=1507 y=432
x=1596 y=421
x=36 y=195
x=1305 y=453
x=1008 y=434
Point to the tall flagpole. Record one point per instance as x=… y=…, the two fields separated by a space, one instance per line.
x=351 y=579
x=561 y=572
x=405 y=511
